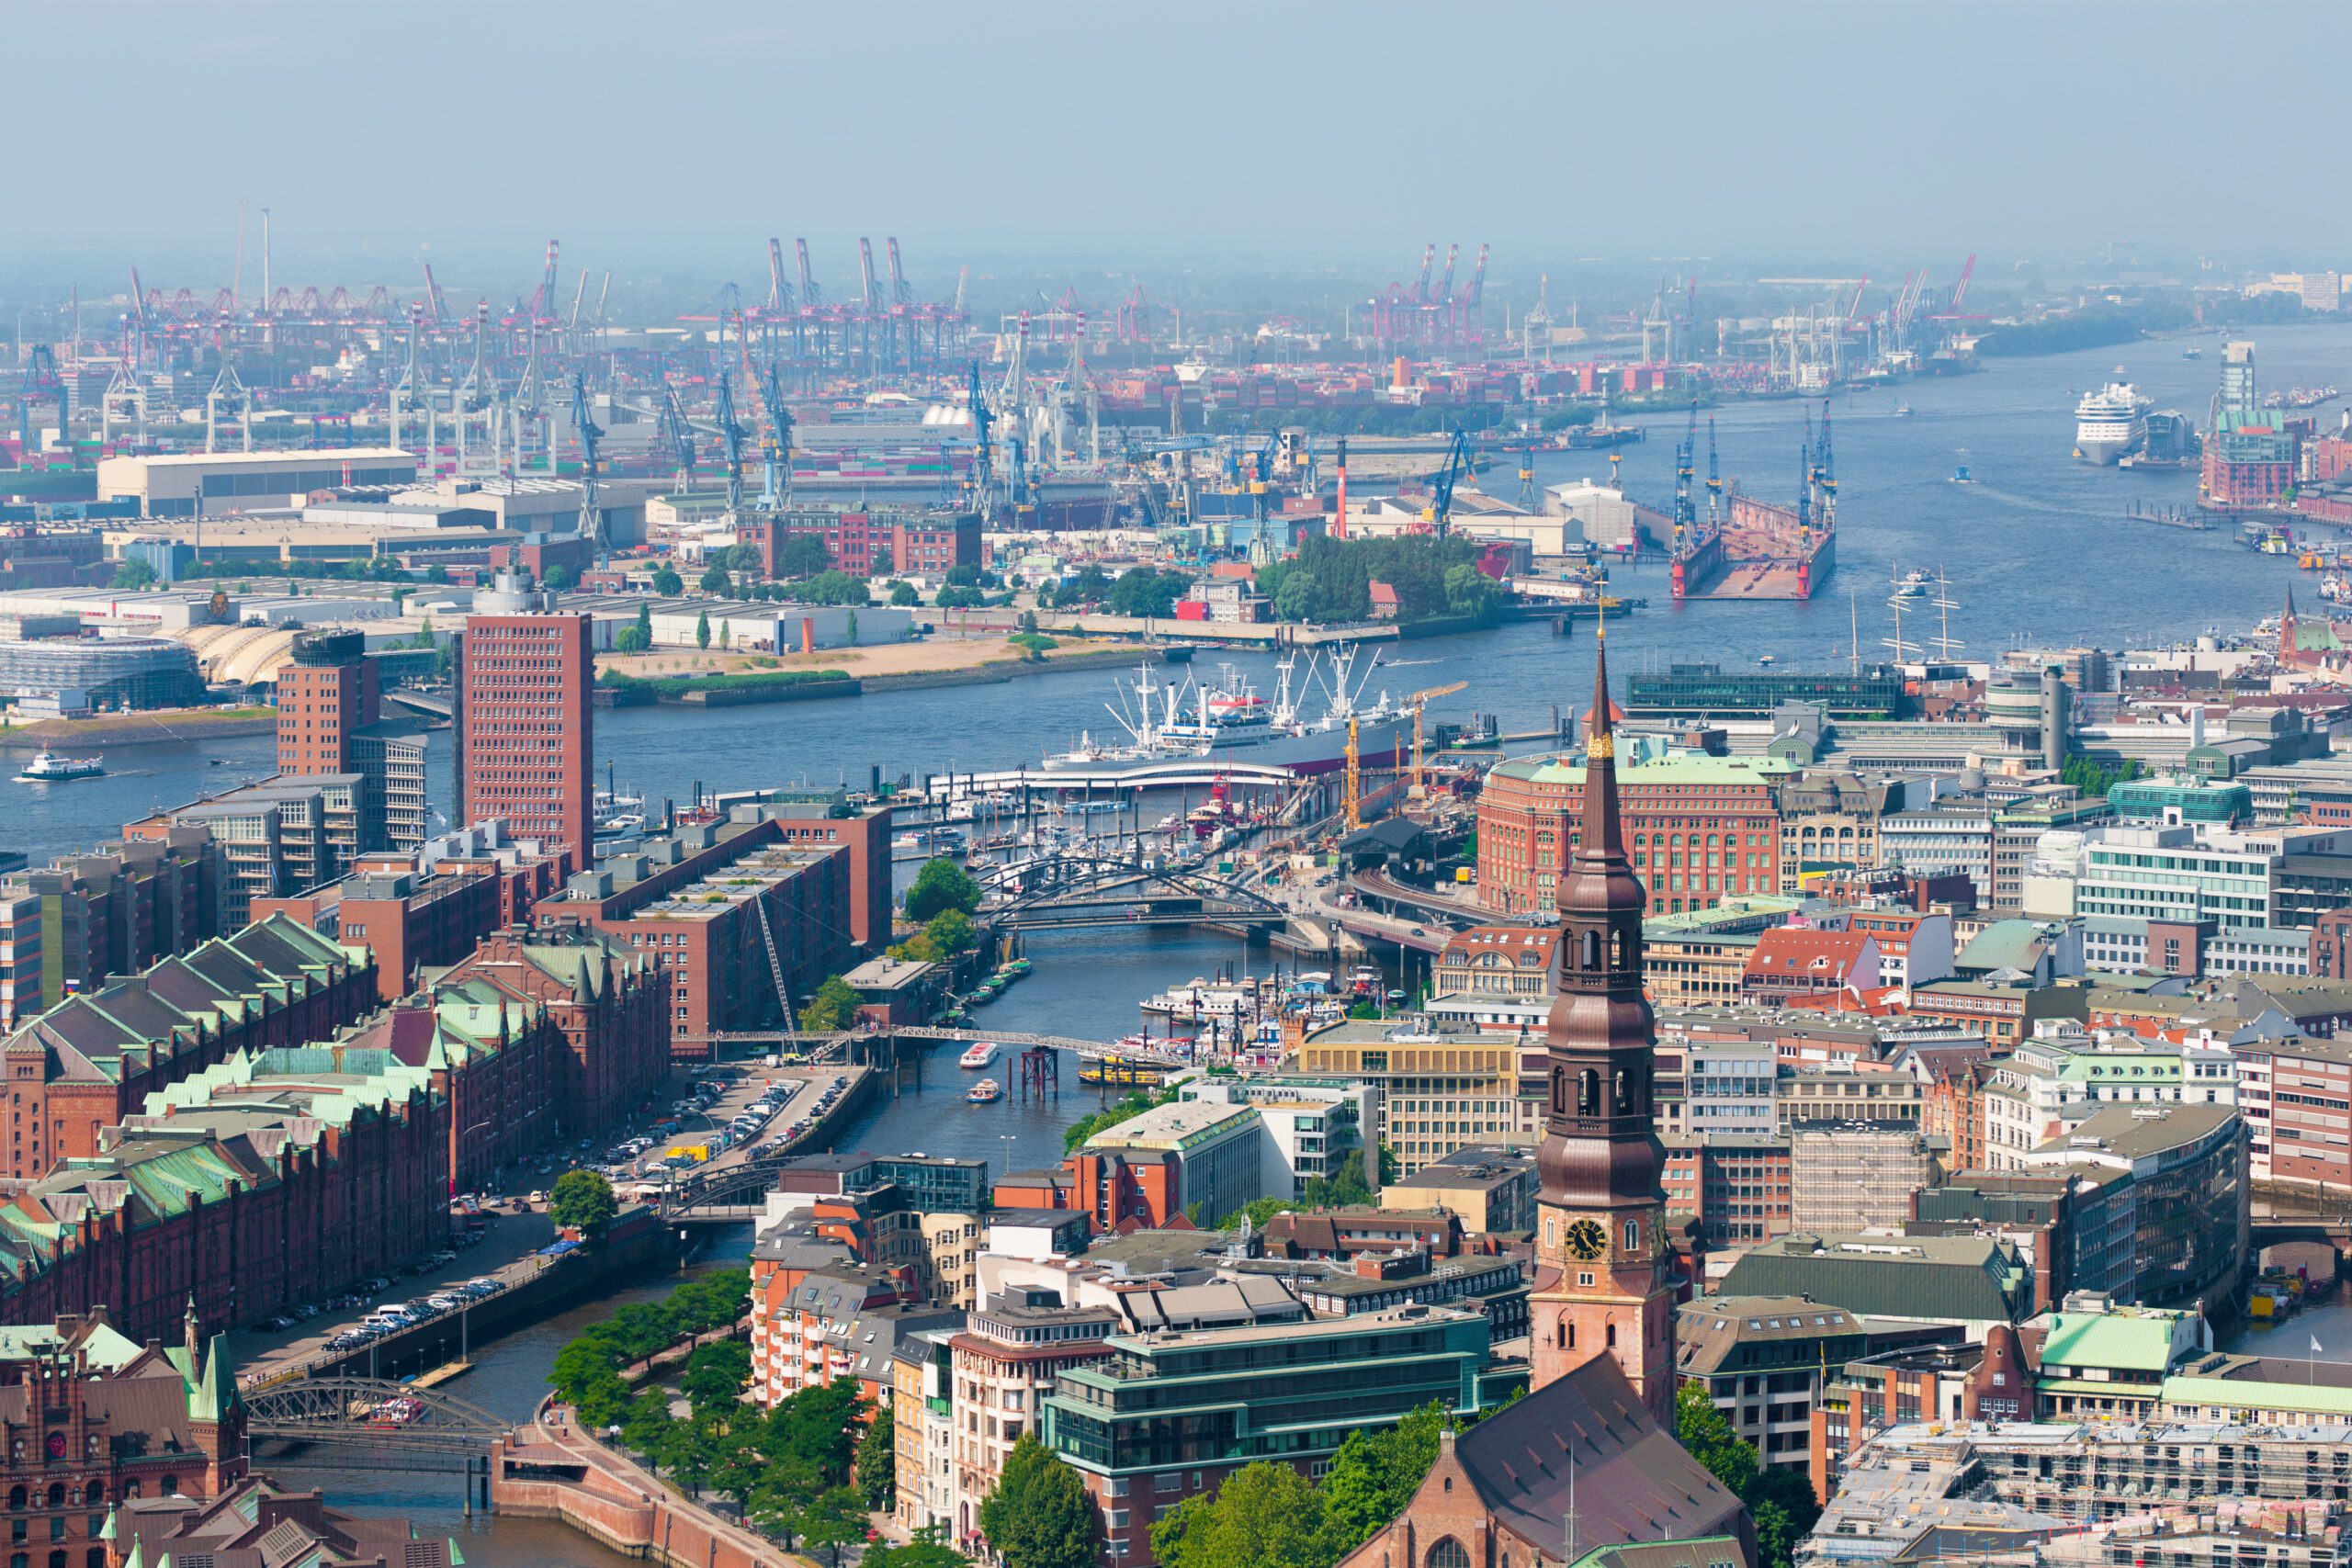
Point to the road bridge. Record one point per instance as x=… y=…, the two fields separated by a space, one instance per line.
x=1074 y=889
x=337 y=1417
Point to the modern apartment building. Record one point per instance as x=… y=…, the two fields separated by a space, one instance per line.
x=525 y=749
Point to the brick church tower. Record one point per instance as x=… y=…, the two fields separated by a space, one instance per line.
x=1602 y=1281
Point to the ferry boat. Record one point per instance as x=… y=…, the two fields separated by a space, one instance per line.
x=1959 y=476
x=47 y=767
x=981 y=1053
x=1121 y=1072
x=2110 y=422
x=1204 y=999
x=985 y=1093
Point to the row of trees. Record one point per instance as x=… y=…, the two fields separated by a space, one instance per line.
x=587 y=1372
x=1330 y=579
x=1269 y=1515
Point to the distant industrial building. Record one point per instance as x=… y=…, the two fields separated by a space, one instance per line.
x=182 y=484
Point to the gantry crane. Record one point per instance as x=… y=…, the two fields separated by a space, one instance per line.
x=1440 y=506
x=592 y=517
x=776 y=442
x=730 y=441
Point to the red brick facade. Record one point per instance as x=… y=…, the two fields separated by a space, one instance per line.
x=605 y=1003
x=1693 y=844
x=865 y=544
x=526 y=751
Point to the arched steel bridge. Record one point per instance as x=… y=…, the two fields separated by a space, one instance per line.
x=1072 y=890
x=334 y=1411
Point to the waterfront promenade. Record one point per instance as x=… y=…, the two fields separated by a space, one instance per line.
x=551 y=1469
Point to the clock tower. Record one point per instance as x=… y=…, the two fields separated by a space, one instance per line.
x=1601 y=1255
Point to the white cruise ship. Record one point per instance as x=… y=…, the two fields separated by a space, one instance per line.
x=2110 y=422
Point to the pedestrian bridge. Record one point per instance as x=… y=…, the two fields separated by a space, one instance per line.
x=825 y=1047
x=349 y=1412
x=1075 y=890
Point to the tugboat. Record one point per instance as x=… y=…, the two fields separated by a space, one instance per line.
x=47 y=767
x=985 y=1093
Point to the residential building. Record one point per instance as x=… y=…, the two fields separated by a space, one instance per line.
x=1005 y=1364
x=1913 y=945
x=1306 y=1127
x=1858 y=1091
x=1793 y=966
x=1500 y=977
x=2295 y=1094
x=1762 y=1360
x=2051 y=1082
x=1169 y=1415
x=2002 y=1012
x=65 y=929
x=1490 y=1187
x=84 y=1064
x=1950 y=836
x=1732 y=1186
x=1730 y=1087
x=280 y=837
x=330 y=721
x=1700 y=829
x=726 y=909
x=1857 y=1174
x=1697 y=958
x=840 y=1320
x=1196 y=1158
x=1829 y=824
x=404 y=920
x=525 y=749
x=1988 y=1381
x=923 y=1433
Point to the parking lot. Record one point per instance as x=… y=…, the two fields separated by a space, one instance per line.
x=727 y=1116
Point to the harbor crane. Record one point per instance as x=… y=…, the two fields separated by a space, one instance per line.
x=776 y=443
x=731 y=442
x=592 y=517
x=1440 y=507
x=677 y=436
x=983 y=476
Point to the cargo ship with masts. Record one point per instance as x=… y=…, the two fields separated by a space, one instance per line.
x=1746 y=549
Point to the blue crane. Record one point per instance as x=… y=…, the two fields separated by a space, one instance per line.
x=592 y=517
x=1440 y=507
x=731 y=440
x=677 y=436
x=983 y=468
x=776 y=443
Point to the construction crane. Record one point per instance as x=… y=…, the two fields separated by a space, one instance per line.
x=776 y=442
x=42 y=385
x=1354 y=785
x=1440 y=506
x=983 y=478
x=591 y=518
x=1421 y=700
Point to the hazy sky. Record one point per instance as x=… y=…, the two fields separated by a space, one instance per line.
x=650 y=133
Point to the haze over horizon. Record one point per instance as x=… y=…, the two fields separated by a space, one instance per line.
x=1305 y=134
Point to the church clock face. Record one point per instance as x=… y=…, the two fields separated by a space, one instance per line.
x=1588 y=1239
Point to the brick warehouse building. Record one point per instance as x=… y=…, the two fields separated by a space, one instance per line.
x=88 y=1062
x=1699 y=829
x=111 y=912
x=919 y=543
x=706 y=902
x=609 y=1001
x=526 y=752
x=272 y=1179
x=90 y=1419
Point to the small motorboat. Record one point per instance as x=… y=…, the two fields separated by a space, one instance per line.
x=1959 y=476
x=1903 y=410
x=985 y=1093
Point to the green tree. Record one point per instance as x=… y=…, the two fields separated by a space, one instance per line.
x=1029 y=620
x=848 y=628
x=955 y=597
x=702 y=629
x=715 y=579
x=645 y=621
x=1118 y=1111
x=877 y=1461
x=1711 y=1440
x=647 y=1422
x=903 y=597
x=727 y=635
x=834 y=1518
x=800 y=555
x=1265 y=1516
x=831 y=588
x=668 y=584
x=941 y=884
x=716 y=1374
x=1374 y=1475
x=1142 y=592
x=834 y=1007
x=557 y=579
x=745 y=558
x=963 y=577
x=1087 y=585
x=582 y=1200
x=929 y=1549
x=817 y=1428
x=1469 y=591
x=1039 y=1514
x=133 y=575
x=437 y=574
x=630 y=639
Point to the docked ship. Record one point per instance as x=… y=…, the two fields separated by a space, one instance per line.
x=2110 y=422
x=1122 y=1072
x=47 y=767
x=1224 y=717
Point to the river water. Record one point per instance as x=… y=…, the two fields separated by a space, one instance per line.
x=2036 y=549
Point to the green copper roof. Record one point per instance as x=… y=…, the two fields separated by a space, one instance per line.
x=2133 y=1342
